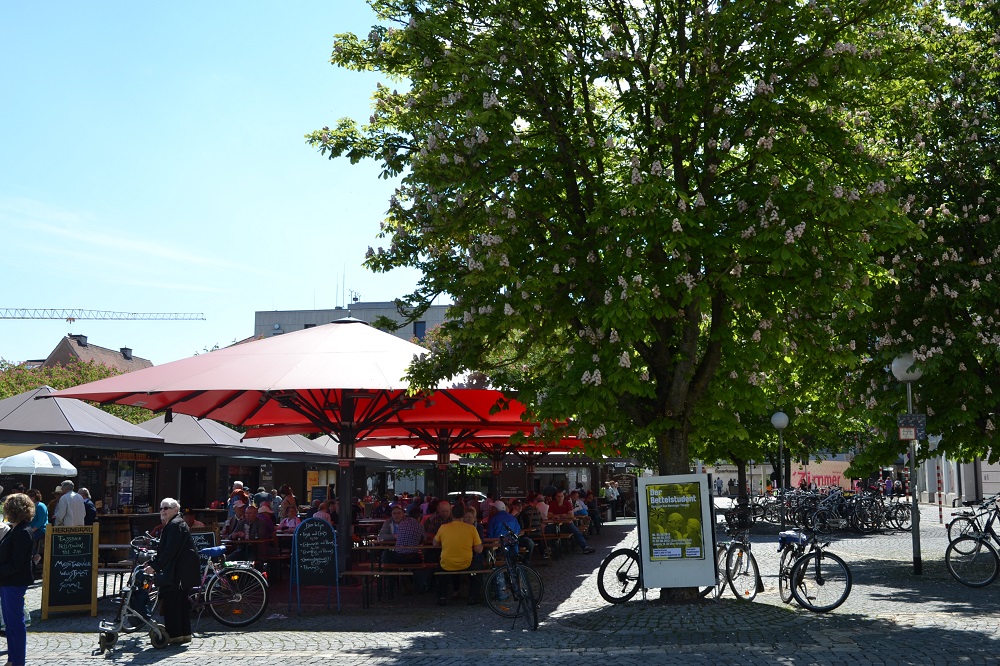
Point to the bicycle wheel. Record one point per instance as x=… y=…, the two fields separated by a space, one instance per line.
x=720 y=570
x=528 y=601
x=237 y=596
x=784 y=574
x=902 y=516
x=720 y=574
x=500 y=594
x=618 y=577
x=971 y=561
x=963 y=526
x=741 y=569
x=822 y=581
x=823 y=521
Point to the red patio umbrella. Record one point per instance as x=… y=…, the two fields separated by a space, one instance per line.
x=345 y=379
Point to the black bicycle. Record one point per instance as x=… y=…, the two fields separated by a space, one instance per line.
x=817 y=579
x=515 y=589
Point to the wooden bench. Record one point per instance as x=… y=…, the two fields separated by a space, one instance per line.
x=368 y=579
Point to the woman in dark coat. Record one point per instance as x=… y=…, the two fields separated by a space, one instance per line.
x=175 y=571
x=15 y=573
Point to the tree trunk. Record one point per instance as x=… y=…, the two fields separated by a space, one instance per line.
x=672 y=447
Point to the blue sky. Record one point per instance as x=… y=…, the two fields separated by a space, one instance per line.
x=152 y=160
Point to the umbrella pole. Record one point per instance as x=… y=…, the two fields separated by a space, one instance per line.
x=345 y=480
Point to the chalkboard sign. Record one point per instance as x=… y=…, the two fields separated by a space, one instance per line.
x=204 y=539
x=69 y=581
x=314 y=553
x=321 y=493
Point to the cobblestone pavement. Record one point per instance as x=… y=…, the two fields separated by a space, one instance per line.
x=891 y=617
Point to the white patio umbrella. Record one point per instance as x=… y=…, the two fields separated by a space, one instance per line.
x=42 y=463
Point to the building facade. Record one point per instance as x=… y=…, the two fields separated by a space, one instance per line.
x=276 y=322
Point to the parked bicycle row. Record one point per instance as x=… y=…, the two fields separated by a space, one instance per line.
x=833 y=509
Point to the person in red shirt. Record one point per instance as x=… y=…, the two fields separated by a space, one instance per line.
x=561 y=511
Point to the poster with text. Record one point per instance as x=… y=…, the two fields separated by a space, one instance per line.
x=673 y=513
x=676 y=533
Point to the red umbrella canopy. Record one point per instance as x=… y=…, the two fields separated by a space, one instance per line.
x=301 y=380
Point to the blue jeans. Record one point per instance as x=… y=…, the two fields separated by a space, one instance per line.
x=12 y=606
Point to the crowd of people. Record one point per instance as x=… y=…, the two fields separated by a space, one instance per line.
x=455 y=530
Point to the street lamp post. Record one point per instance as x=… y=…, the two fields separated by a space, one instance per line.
x=780 y=421
x=903 y=370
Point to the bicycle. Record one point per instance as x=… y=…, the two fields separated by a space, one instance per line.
x=619 y=577
x=234 y=593
x=971 y=558
x=817 y=579
x=742 y=572
x=515 y=589
x=969 y=522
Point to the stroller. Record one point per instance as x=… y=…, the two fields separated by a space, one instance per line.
x=135 y=605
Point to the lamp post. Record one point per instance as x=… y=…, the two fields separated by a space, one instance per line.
x=780 y=421
x=904 y=371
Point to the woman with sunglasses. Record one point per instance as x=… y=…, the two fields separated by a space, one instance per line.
x=175 y=570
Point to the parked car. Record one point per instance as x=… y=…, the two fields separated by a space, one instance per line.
x=467 y=495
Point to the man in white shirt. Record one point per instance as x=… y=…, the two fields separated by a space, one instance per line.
x=71 y=510
x=611 y=494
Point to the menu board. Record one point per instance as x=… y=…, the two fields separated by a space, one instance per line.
x=204 y=539
x=314 y=560
x=69 y=581
x=321 y=493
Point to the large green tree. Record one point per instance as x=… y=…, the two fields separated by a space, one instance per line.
x=648 y=206
x=16 y=378
x=943 y=301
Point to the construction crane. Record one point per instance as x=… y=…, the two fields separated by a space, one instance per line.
x=72 y=315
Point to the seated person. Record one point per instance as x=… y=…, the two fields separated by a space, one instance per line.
x=594 y=511
x=290 y=520
x=313 y=508
x=461 y=550
x=561 y=511
x=236 y=522
x=403 y=531
x=260 y=529
x=266 y=511
x=323 y=513
x=471 y=516
x=192 y=522
x=531 y=523
x=502 y=521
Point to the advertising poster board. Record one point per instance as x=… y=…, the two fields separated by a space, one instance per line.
x=676 y=534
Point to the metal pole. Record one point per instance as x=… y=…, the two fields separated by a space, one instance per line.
x=781 y=475
x=918 y=565
x=940 y=499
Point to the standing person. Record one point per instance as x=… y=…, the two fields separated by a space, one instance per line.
x=611 y=494
x=71 y=511
x=718 y=486
x=237 y=495
x=53 y=503
x=288 y=501
x=90 y=510
x=175 y=570
x=15 y=574
x=38 y=524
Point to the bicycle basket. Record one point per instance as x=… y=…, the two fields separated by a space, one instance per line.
x=791 y=538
